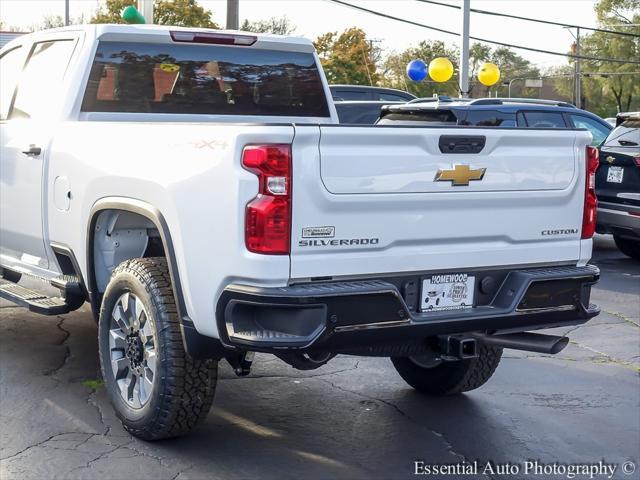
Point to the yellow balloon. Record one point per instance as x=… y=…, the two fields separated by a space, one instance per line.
x=440 y=69
x=489 y=74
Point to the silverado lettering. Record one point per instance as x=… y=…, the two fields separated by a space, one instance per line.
x=336 y=242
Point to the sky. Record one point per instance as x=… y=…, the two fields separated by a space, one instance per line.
x=314 y=17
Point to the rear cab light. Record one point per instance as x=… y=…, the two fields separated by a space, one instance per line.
x=213 y=38
x=590 y=200
x=268 y=214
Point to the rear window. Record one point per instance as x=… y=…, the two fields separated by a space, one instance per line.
x=489 y=118
x=203 y=79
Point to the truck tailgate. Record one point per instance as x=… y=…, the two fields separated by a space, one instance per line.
x=378 y=200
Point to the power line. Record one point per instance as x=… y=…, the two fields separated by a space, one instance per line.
x=528 y=19
x=484 y=40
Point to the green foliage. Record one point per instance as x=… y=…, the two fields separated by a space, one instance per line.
x=349 y=57
x=604 y=90
x=93 y=384
x=394 y=69
x=275 y=25
x=511 y=66
x=185 y=13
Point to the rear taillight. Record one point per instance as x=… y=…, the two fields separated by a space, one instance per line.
x=590 y=200
x=268 y=215
x=637 y=160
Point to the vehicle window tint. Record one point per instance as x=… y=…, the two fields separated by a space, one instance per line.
x=203 y=79
x=10 y=68
x=391 y=97
x=489 y=118
x=38 y=87
x=598 y=131
x=544 y=120
x=365 y=114
x=351 y=95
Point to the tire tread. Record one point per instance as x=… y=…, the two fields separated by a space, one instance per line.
x=188 y=389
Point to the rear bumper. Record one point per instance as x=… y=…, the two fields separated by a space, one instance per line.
x=618 y=219
x=356 y=316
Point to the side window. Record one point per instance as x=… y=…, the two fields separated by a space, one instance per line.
x=490 y=118
x=41 y=78
x=598 y=131
x=10 y=68
x=544 y=120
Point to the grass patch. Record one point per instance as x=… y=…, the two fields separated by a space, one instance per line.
x=93 y=384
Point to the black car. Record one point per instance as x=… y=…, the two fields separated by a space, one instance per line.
x=495 y=112
x=618 y=184
x=366 y=93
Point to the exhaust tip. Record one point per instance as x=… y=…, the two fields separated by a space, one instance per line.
x=558 y=346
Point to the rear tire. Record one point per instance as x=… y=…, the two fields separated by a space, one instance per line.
x=631 y=248
x=157 y=390
x=450 y=378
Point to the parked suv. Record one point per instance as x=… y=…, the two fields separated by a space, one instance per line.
x=618 y=184
x=496 y=112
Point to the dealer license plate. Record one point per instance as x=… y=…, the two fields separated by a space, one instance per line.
x=447 y=291
x=614 y=174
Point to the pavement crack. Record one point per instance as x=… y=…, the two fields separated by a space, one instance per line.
x=623 y=317
x=181 y=472
x=90 y=463
x=93 y=401
x=447 y=443
x=38 y=444
x=67 y=351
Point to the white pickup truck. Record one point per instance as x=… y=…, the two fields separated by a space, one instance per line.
x=195 y=188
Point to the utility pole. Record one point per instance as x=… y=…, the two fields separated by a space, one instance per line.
x=66 y=13
x=233 y=14
x=577 y=76
x=464 y=49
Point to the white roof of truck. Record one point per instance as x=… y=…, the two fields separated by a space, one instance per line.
x=160 y=34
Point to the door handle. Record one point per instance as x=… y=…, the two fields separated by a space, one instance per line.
x=32 y=151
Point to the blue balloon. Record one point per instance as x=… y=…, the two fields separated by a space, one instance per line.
x=416 y=70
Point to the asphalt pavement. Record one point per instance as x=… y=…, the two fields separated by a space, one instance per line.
x=353 y=418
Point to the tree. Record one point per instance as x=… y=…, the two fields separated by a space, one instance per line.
x=185 y=13
x=349 y=57
x=275 y=25
x=609 y=87
x=511 y=66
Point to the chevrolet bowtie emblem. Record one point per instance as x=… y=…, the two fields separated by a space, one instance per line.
x=610 y=159
x=460 y=175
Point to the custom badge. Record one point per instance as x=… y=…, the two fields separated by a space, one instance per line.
x=460 y=175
